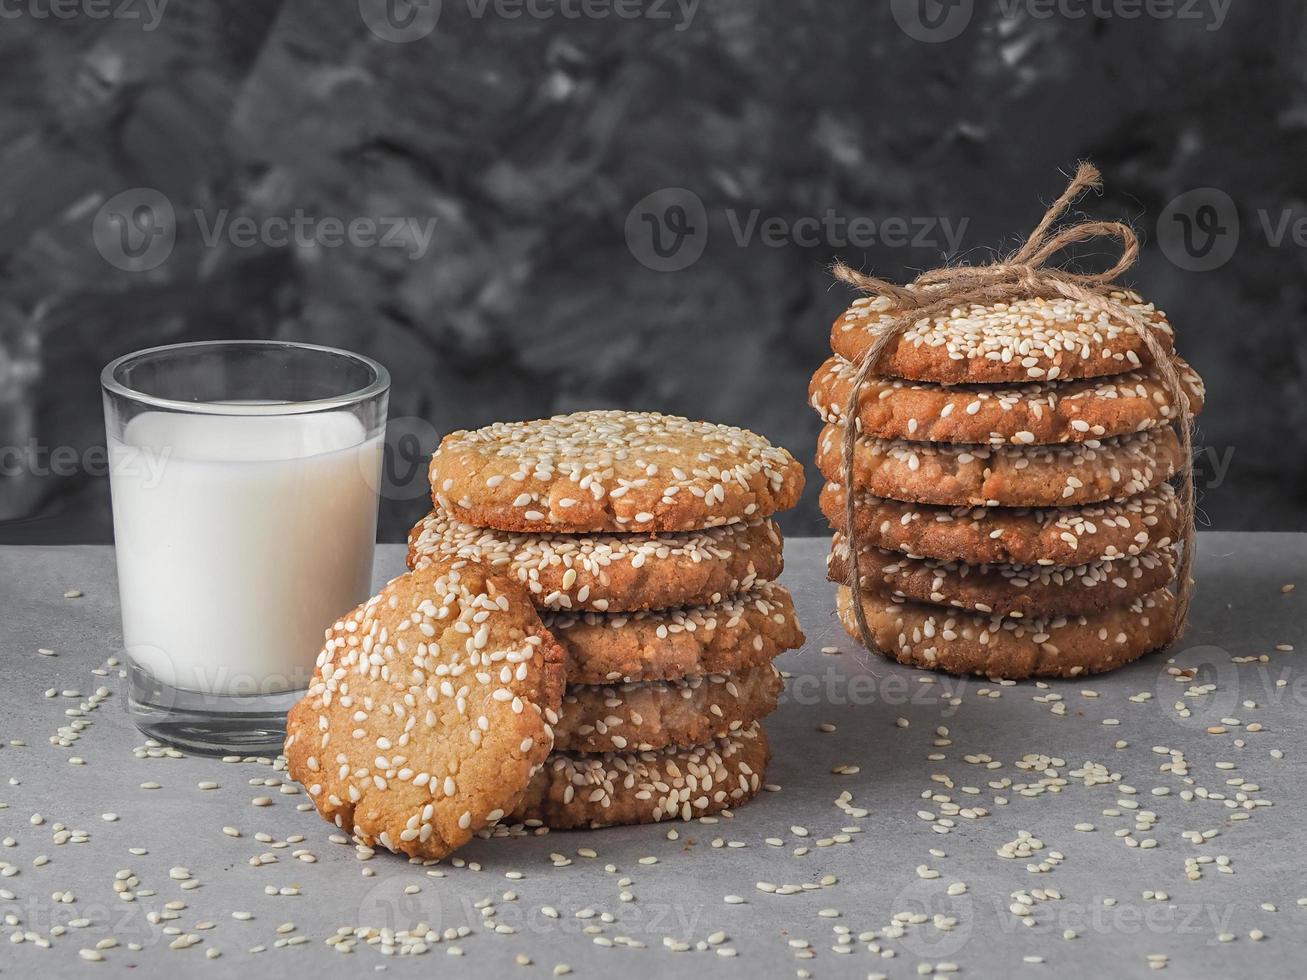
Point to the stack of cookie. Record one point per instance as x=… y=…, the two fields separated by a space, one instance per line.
x=646 y=543
x=1014 y=517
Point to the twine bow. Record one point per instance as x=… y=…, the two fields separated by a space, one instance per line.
x=1023 y=274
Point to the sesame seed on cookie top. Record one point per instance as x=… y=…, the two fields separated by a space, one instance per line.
x=1023 y=340
x=612 y=572
x=430 y=709
x=611 y=471
x=1033 y=413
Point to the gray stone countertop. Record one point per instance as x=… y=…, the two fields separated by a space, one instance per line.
x=1161 y=837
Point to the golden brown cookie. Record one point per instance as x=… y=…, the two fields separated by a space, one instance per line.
x=646 y=787
x=744 y=631
x=1008 y=476
x=1148 y=521
x=1024 y=340
x=1005 y=589
x=921 y=635
x=429 y=710
x=1051 y=412
x=647 y=715
x=613 y=572
x=611 y=471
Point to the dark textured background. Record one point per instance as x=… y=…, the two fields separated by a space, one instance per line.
x=531 y=139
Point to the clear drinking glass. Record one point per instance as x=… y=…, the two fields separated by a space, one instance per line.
x=244 y=479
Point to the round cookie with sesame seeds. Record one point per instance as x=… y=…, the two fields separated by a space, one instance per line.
x=1005 y=589
x=648 y=715
x=747 y=630
x=1148 y=521
x=604 y=471
x=612 y=572
x=1035 y=413
x=616 y=789
x=1019 y=341
x=431 y=707
x=1009 y=476
x=921 y=635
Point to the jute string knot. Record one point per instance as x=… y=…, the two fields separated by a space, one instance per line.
x=1023 y=274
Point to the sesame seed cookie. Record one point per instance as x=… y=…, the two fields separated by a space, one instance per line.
x=1148 y=521
x=611 y=471
x=1022 y=340
x=921 y=635
x=429 y=711
x=614 y=789
x=612 y=572
x=1005 y=589
x=1051 y=412
x=648 y=715
x=744 y=631
x=1009 y=476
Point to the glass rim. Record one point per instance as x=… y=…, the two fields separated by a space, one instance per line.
x=379 y=385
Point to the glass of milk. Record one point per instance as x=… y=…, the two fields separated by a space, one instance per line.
x=244 y=479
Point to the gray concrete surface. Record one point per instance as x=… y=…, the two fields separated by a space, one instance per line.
x=1109 y=891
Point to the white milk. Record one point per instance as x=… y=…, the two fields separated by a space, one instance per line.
x=240 y=539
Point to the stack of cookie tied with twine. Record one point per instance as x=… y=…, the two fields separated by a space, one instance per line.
x=646 y=544
x=1005 y=484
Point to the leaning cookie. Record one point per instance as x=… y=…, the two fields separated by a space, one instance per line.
x=1148 y=521
x=647 y=715
x=996 y=415
x=612 y=572
x=1008 y=476
x=429 y=711
x=921 y=635
x=1019 y=340
x=1005 y=589
x=611 y=471
x=613 y=789
x=744 y=631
